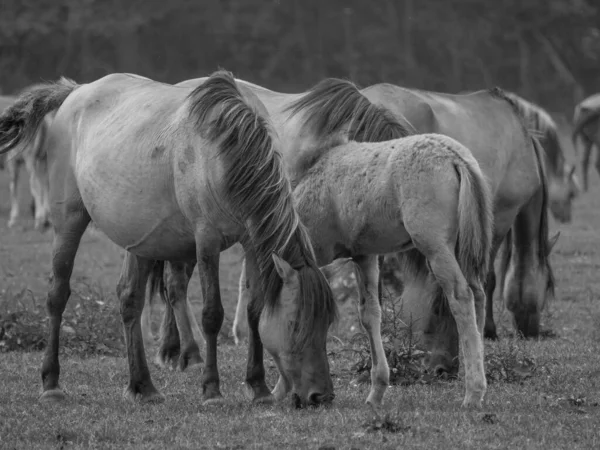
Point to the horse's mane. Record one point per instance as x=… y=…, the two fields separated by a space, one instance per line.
x=333 y=106
x=541 y=125
x=260 y=193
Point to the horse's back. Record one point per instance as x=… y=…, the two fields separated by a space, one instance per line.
x=484 y=122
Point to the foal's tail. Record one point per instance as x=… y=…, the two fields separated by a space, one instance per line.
x=19 y=123
x=475 y=220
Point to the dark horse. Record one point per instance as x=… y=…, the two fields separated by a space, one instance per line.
x=180 y=174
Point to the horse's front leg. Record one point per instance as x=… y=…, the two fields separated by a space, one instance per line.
x=256 y=386
x=369 y=310
x=212 y=317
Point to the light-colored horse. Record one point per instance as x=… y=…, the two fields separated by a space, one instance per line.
x=563 y=185
x=489 y=124
x=33 y=157
x=421 y=195
x=172 y=173
x=586 y=125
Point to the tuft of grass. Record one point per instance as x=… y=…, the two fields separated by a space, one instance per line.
x=91 y=323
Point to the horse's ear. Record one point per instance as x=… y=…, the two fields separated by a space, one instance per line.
x=552 y=241
x=285 y=271
x=333 y=269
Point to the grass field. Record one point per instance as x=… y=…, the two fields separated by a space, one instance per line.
x=553 y=405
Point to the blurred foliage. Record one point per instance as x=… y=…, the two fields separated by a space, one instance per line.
x=546 y=50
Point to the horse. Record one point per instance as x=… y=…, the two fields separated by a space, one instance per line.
x=180 y=174
x=586 y=124
x=424 y=196
x=33 y=158
x=563 y=185
x=489 y=124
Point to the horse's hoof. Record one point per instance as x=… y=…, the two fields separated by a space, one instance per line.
x=217 y=400
x=165 y=363
x=52 y=396
x=472 y=402
x=139 y=397
x=261 y=395
x=375 y=398
x=11 y=223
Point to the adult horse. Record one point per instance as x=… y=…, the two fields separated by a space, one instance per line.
x=586 y=125
x=563 y=186
x=33 y=157
x=172 y=173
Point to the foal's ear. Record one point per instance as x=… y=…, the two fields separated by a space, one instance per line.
x=552 y=241
x=285 y=271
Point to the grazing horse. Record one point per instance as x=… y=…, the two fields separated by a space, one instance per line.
x=586 y=124
x=180 y=174
x=489 y=124
x=563 y=185
x=422 y=195
x=33 y=157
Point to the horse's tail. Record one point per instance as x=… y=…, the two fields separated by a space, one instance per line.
x=19 y=122
x=544 y=246
x=475 y=220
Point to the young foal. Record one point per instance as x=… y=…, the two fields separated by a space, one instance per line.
x=171 y=173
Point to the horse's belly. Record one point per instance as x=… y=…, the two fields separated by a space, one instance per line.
x=137 y=210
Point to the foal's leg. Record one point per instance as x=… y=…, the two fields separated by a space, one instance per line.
x=240 y=322
x=71 y=221
x=369 y=310
x=463 y=306
x=212 y=317
x=131 y=290
x=178 y=276
x=13 y=171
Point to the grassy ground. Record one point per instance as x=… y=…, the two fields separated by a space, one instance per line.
x=553 y=403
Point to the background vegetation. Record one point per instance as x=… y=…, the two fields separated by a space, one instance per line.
x=546 y=50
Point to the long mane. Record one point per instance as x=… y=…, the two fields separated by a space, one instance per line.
x=540 y=125
x=333 y=106
x=260 y=193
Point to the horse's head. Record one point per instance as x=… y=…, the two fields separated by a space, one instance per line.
x=426 y=312
x=295 y=334
x=562 y=190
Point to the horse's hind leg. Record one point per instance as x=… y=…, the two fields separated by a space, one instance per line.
x=463 y=306
x=370 y=318
x=177 y=306
x=69 y=225
x=131 y=290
